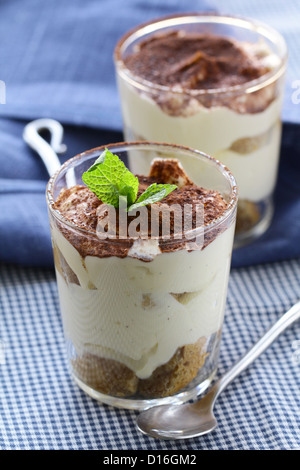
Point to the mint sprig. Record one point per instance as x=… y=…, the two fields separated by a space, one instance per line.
x=154 y=193
x=110 y=180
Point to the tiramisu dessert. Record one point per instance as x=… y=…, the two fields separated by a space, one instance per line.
x=186 y=80
x=142 y=315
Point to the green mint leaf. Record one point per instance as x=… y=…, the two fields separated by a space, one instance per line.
x=109 y=179
x=129 y=192
x=154 y=193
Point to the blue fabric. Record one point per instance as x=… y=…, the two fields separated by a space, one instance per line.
x=282 y=240
x=57 y=62
x=284 y=17
x=42 y=408
x=58 y=59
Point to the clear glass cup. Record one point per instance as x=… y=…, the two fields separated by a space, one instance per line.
x=142 y=332
x=239 y=125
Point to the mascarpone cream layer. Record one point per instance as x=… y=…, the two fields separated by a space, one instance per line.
x=139 y=313
x=213 y=131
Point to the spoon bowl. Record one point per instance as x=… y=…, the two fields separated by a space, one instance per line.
x=195 y=419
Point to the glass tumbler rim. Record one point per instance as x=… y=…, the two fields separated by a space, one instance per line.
x=213 y=17
x=118 y=146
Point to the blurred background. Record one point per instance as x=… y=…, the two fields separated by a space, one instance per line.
x=56 y=61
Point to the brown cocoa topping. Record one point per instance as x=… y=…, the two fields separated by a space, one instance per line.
x=169 y=171
x=185 y=61
x=80 y=206
x=194 y=61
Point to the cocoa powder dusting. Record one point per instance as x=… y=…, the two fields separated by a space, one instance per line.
x=80 y=206
x=195 y=61
x=185 y=61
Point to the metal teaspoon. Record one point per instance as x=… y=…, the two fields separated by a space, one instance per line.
x=195 y=419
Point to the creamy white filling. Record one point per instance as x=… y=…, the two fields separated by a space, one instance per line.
x=256 y=171
x=213 y=131
x=134 y=313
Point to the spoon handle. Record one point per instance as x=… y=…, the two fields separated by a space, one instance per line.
x=286 y=320
x=47 y=151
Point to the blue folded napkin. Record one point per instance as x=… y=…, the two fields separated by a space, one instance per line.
x=57 y=62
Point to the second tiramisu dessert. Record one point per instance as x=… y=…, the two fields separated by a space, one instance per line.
x=142 y=311
x=188 y=80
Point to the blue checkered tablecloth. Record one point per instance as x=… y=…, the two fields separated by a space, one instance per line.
x=41 y=408
x=51 y=67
